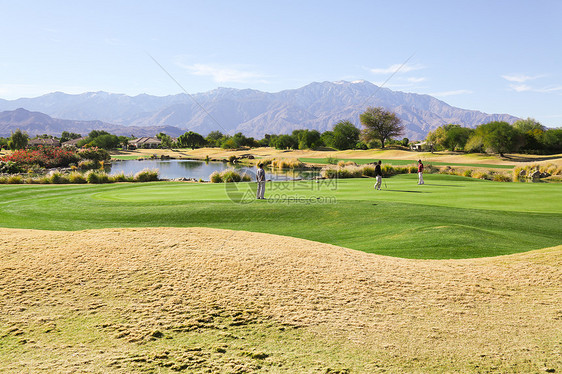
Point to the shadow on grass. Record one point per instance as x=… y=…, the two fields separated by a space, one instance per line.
x=408 y=191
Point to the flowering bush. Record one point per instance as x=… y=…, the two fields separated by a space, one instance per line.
x=94 y=153
x=47 y=157
x=10 y=167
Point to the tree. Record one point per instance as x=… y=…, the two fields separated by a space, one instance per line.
x=308 y=139
x=380 y=124
x=191 y=139
x=285 y=142
x=213 y=138
x=498 y=137
x=529 y=124
x=165 y=139
x=346 y=135
x=66 y=136
x=105 y=141
x=456 y=137
x=18 y=140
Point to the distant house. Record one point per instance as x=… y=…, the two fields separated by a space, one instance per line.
x=418 y=146
x=145 y=142
x=50 y=142
x=72 y=143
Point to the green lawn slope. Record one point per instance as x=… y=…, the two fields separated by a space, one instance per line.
x=448 y=217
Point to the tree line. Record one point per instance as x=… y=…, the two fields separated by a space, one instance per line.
x=379 y=129
x=525 y=135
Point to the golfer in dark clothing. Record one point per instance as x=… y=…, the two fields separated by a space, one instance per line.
x=378 y=175
x=260 y=176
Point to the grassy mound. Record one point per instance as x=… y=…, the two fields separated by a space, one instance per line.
x=208 y=300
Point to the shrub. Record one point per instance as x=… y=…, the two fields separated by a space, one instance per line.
x=232 y=158
x=480 y=175
x=146 y=175
x=349 y=172
x=88 y=164
x=467 y=173
x=388 y=170
x=57 y=178
x=15 y=179
x=230 y=175
x=368 y=171
x=10 y=167
x=93 y=177
x=216 y=177
x=94 y=153
x=246 y=178
x=121 y=177
x=3 y=180
x=45 y=157
x=290 y=163
x=502 y=178
x=76 y=178
x=343 y=164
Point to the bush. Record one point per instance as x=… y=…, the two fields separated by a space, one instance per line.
x=502 y=178
x=467 y=173
x=343 y=164
x=216 y=177
x=15 y=179
x=246 y=178
x=348 y=172
x=45 y=157
x=76 y=178
x=368 y=171
x=480 y=175
x=57 y=178
x=94 y=177
x=94 y=153
x=121 y=177
x=230 y=176
x=88 y=164
x=10 y=167
x=290 y=163
x=146 y=175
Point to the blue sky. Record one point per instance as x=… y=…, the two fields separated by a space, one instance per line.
x=494 y=56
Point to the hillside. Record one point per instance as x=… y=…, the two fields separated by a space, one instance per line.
x=315 y=106
x=198 y=299
x=36 y=123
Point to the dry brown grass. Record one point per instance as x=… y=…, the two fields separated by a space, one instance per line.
x=90 y=298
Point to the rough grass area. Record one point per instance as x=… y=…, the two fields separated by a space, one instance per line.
x=194 y=300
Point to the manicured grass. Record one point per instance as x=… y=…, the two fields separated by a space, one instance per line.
x=448 y=217
x=362 y=161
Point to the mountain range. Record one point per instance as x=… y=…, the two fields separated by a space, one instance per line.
x=315 y=106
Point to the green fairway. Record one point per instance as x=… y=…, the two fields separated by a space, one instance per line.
x=448 y=217
x=362 y=161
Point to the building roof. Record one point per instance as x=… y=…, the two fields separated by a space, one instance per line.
x=146 y=140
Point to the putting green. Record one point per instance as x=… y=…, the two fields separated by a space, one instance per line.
x=448 y=217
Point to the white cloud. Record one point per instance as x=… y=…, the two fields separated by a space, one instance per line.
x=403 y=68
x=416 y=79
x=521 y=78
x=221 y=74
x=451 y=93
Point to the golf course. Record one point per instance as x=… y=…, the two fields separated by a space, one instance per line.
x=323 y=276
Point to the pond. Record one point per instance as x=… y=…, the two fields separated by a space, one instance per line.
x=173 y=169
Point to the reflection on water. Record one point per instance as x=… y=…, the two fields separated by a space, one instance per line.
x=172 y=169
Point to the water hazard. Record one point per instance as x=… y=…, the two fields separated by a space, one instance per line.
x=174 y=169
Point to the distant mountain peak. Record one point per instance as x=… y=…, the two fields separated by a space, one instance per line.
x=318 y=105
